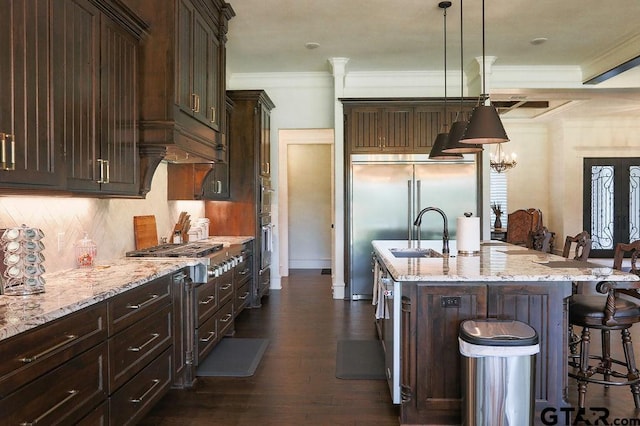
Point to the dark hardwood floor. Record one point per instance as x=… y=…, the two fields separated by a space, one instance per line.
x=295 y=383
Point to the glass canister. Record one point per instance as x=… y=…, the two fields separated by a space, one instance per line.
x=86 y=251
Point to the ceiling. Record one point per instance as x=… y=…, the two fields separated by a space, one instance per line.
x=384 y=35
x=407 y=35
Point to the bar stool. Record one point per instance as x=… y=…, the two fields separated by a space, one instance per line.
x=607 y=314
x=581 y=252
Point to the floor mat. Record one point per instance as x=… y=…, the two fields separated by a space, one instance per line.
x=360 y=359
x=233 y=357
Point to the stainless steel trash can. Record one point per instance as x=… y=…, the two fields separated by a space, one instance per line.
x=498 y=372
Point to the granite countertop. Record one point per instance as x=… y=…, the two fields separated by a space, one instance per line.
x=74 y=289
x=496 y=261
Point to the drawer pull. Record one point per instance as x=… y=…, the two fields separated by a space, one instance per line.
x=72 y=393
x=154 y=336
x=226 y=318
x=245 y=272
x=207 y=301
x=69 y=338
x=225 y=287
x=143 y=304
x=154 y=383
x=244 y=296
x=210 y=336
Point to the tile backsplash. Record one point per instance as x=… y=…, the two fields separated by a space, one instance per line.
x=108 y=222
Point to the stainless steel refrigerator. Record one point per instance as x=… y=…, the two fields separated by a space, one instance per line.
x=386 y=192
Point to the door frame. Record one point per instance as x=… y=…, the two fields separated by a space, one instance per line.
x=288 y=137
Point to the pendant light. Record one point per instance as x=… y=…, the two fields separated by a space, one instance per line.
x=441 y=140
x=458 y=127
x=484 y=125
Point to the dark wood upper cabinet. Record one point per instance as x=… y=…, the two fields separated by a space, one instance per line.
x=183 y=79
x=96 y=79
x=397 y=126
x=25 y=111
x=70 y=101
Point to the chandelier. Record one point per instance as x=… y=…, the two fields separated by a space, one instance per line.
x=500 y=162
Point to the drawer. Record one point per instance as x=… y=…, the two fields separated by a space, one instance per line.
x=98 y=417
x=29 y=355
x=206 y=300
x=243 y=270
x=62 y=396
x=206 y=337
x=242 y=298
x=133 y=348
x=225 y=287
x=131 y=402
x=264 y=281
x=133 y=305
x=224 y=319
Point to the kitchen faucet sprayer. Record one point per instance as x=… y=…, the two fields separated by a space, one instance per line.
x=445 y=231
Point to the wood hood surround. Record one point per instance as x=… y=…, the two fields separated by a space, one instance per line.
x=182 y=83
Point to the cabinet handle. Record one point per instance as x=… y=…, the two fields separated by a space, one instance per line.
x=194 y=102
x=219 y=183
x=104 y=171
x=225 y=287
x=7 y=164
x=197 y=104
x=226 y=318
x=3 y=151
x=154 y=336
x=145 y=303
x=69 y=338
x=207 y=301
x=268 y=167
x=72 y=393
x=213 y=114
x=244 y=272
x=210 y=336
x=246 y=294
x=154 y=383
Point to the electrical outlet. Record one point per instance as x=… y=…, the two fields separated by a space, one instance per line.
x=60 y=241
x=450 y=301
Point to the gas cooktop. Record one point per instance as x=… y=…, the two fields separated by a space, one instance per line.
x=194 y=249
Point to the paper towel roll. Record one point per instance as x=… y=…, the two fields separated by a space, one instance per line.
x=468 y=235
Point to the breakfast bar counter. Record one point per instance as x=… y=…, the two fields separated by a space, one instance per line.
x=422 y=297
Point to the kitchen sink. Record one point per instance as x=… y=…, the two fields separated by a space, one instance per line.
x=414 y=252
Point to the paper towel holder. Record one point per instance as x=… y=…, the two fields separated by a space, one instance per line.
x=468 y=252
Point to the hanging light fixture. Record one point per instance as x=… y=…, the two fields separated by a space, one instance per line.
x=484 y=125
x=500 y=162
x=441 y=140
x=458 y=127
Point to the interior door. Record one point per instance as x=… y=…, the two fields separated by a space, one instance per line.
x=611 y=202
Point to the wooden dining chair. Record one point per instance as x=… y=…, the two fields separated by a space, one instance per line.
x=607 y=313
x=541 y=240
x=519 y=224
x=582 y=246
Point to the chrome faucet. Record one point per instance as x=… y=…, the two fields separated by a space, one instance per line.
x=445 y=231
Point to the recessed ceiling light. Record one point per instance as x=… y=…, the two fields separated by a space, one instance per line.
x=538 y=40
x=312 y=45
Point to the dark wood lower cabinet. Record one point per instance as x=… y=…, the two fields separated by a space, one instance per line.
x=431 y=374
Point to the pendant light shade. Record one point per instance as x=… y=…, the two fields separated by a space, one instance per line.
x=437 y=149
x=484 y=127
x=454 y=145
x=459 y=126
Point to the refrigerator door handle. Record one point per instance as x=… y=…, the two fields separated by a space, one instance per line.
x=409 y=208
x=418 y=205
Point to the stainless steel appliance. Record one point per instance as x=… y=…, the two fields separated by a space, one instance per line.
x=386 y=193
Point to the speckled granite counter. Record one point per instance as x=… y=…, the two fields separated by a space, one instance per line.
x=496 y=261
x=74 y=289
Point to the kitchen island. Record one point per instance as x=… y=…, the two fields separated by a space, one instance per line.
x=422 y=301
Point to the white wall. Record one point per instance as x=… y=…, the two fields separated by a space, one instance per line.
x=109 y=222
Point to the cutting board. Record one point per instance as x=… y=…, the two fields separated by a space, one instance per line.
x=145 y=231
